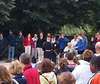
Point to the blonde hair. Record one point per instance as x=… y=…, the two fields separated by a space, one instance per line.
x=5 y=75
x=87 y=55
x=16 y=67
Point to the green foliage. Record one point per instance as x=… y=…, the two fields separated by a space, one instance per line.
x=50 y=15
x=5 y=8
x=69 y=29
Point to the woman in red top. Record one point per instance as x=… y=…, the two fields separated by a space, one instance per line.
x=27 y=44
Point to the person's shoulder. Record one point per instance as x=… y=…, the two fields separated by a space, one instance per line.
x=97 y=76
x=96 y=79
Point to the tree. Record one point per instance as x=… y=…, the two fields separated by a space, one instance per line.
x=5 y=8
x=51 y=15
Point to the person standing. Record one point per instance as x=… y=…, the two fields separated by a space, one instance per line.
x=19 y=43
x=27 y=44
x=47 y=46
x=40 y=42
x=11 y=45
x=62 y=42
x=1 y=44
x=34 y=50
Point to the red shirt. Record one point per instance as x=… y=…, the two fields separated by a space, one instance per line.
x=31 y=75
x=27 y=41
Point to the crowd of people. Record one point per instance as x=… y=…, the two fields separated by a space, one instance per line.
x=41 y=46
x=51 y=60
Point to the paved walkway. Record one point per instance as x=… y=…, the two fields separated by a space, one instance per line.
x=5 y=64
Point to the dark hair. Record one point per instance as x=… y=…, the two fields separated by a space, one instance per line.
x=46 y=65
x=95 y=61
x=70 y=55
x=63 y=62
x=66 y=78
x=25 y=58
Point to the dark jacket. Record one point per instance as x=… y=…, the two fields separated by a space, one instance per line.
x=60 y=70
x=40 y=43
x=11 y=39
x=20 y=79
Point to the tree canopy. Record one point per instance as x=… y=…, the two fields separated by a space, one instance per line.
x=51 y=15
x=5 y=8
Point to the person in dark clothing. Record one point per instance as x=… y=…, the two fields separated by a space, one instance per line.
x=19 y=44
x=11 y=45
x=16 y=71
x=62 y=67
x=20 y=79
x=1 y=44
x=48 y=50
x=39 y=46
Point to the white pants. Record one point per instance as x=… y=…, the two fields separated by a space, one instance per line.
x=34 y=52
x=28 y=49
x=40 y=54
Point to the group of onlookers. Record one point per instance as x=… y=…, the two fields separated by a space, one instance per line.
x=41 y=46
x=69 y=70
x=76 y=64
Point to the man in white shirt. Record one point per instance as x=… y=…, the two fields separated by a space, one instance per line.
x=82 y=72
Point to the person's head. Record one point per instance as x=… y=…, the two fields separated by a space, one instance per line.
x=95 y=64
x=75 y=36
x=29 y=35
x=20 y=33
x=63 y=62
x=10 y=32
x=97 y=34
x=1 y=36
x=62 y=35
x=46 y=65
x=5 y=77
x=87 y=55
x=41 y=34
x=97 y=47
x=69 y=45
x=70 y=55
x=66 y=78
x=25 y=58
x=48 y=39
x=61 y=55
x=16 y=67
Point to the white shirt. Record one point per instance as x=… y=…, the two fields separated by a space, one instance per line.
x=74 y=42
x=82 y=62
x=82 y=73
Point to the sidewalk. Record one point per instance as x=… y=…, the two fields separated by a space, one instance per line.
x=5 y=64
